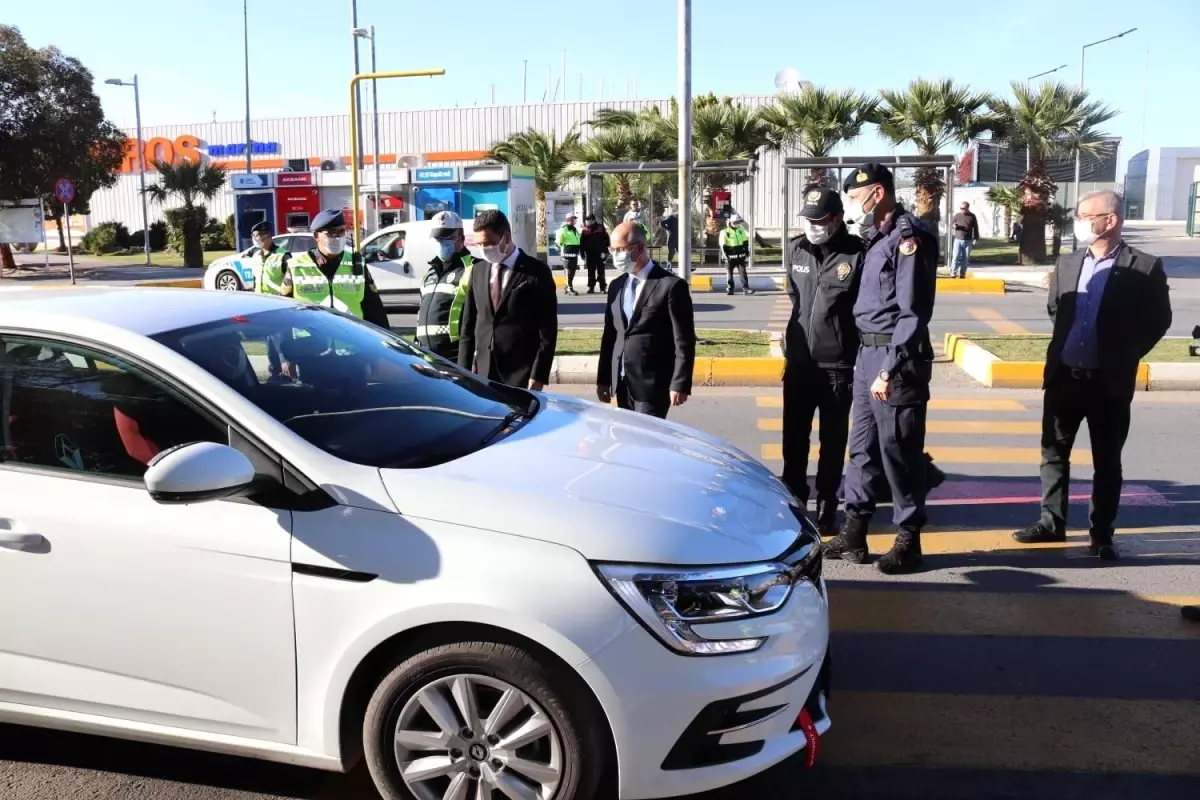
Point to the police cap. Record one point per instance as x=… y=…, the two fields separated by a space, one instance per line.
x=328 y=219
x=868 y=175
x=820 y=203
x=445 y=224
x=262 y=227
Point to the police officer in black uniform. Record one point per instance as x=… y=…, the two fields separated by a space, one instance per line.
x=821 y=345
x=891 y=377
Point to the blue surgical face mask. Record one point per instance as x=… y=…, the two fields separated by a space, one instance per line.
x=446 y=250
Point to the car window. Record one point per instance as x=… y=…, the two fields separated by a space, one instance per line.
x=353 y=389
x=76 y=409
x=390 y=246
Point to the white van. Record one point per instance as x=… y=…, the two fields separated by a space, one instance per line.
x=398 y=257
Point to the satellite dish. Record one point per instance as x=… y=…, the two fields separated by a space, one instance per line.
x=788 y=80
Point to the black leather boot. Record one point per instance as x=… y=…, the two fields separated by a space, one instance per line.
x=905 y=555
x=849 y=545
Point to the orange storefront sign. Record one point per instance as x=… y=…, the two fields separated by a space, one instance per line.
x=185 y=149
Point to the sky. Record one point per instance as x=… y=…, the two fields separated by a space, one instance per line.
x=189 y=56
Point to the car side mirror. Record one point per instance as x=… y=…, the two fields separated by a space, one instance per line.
x=197 y=473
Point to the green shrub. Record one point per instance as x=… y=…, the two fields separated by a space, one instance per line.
x=230 y=232
x=158 y=237
x=177 y=219
x=105 y=238
x=216 y=236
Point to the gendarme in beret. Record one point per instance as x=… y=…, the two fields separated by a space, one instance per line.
x=867 y=175
x=328 y=219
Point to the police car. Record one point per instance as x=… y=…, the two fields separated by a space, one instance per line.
x=239 y=273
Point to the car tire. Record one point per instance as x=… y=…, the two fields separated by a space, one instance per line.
x=566 y=762
x=227 y=281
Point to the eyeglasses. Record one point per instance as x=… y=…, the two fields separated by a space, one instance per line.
x=1090 y=217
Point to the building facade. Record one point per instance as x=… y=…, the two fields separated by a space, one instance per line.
x=1160 y=183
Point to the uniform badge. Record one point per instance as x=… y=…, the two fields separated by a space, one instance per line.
x=812 y=197
x=861 y=177
x=843 y=271
x=908 y=247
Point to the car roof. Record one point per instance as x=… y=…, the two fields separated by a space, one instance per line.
x=142 y=310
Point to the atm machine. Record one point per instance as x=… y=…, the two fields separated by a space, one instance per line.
x=297 y=201
x=253 y=202
x=435 y=189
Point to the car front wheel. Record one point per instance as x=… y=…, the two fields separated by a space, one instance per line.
x=228 y=282
x=480 y=720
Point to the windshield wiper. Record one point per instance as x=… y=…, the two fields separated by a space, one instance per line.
x=505 y=424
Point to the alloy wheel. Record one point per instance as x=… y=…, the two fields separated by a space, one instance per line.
x=472 y=737
x=228 y=282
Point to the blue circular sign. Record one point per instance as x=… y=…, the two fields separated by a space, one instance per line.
x=64 y=190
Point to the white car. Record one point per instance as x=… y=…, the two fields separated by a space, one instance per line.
x=398 y=257
x=240 y=524
x=239 y=273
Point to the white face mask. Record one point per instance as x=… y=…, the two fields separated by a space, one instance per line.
x=493 y=254
x=817 y=234
x=1084 y=233
x=621 y=260
x=334 y=245
x=855 y=210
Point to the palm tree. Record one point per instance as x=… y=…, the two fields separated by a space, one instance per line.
x=815 y=121
x=1060 y=218
x=632 y=140
x=549 y=159
x=1052 y=120
x=1008 y=198
x=931 y=115
x=192 y=182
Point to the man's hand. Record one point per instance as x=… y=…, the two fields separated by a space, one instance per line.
x=288 y=370
x=536 y=386
x=604 y=394
x=880 y=389
x=678 y=398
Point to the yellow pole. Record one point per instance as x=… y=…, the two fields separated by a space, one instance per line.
x=368 y=76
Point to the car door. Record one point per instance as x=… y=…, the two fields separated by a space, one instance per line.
x=117 y=606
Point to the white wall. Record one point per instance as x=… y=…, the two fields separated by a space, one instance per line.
x=1169 y=174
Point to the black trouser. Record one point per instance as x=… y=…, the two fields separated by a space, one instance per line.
x=571 y=263
x=1070 y=398
x=672 y=249
x=806 y=390
x=595 y=269
x=658 y=408
x=740 y=263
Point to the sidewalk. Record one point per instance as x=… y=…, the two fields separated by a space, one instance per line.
x=89 y=269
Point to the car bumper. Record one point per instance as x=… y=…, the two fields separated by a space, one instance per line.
x=691 y=724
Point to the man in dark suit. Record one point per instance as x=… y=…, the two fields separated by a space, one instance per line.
x=649 y=345
x=510 y=315
x=1110 y=306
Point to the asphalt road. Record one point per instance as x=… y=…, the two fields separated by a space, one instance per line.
x=999 y=672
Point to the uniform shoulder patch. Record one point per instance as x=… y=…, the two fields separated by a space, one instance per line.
x=905 y=227
x=908 y=247
x=843 y=271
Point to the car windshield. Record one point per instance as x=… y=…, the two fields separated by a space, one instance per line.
x=352 y=389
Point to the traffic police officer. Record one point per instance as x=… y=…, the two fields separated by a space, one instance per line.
x=330 y=275
x=821 y=345
x=567 y=239
x=444 y=288
x=264 y=246
x=735 y=245
x=892 y=374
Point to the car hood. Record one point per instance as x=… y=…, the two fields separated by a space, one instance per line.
x=613 y=485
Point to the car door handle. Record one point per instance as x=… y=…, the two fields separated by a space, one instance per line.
x=15 y=540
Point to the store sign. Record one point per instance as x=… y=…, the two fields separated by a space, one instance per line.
x=248 y=181
x=184 y=149
x=256 y=148
x=293 y=179
x=435 y=175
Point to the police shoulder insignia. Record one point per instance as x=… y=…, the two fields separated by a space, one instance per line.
x=861 y=177
x=843 y=271
x=905 y=226
x=908 y=247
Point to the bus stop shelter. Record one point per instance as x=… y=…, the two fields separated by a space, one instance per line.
x=594 y=174
x=842 y=163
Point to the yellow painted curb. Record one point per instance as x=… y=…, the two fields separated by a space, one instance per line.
x=1017 y=374
x=185 y=283
x=970 y=286
x=744 y=371
x=702 y=283
x=998 y=374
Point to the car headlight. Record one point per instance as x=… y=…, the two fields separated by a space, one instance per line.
x=671 y=602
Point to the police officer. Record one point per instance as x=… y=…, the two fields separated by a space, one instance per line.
x=444 y=288
x=264 y=245
x=735 y=245
x=594 y=244
x=330 y=275
x=892 y=373
x=568 y=247
x=821 y=345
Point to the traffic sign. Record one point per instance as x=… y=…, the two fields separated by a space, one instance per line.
x=64 y=190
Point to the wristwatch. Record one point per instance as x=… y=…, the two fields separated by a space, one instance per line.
x=884 y=376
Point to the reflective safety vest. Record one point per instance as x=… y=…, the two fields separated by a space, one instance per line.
x=270 y=277
x=735 y=242
x=568 y=240
x=344 y=293
x=460 y=299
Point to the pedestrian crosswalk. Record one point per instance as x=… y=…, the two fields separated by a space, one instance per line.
x=1003 y=657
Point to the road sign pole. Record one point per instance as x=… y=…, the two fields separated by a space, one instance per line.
x=70 y=252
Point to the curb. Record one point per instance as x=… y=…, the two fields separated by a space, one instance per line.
x=183 y=283
x=765 y=371
x=987 y=369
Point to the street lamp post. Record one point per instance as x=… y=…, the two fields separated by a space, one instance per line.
x=684 y=76
x=357 y=70
x=1082 y=58
x=369 y=33
x=141 y=148
x=1028 y=161
x=246 y=47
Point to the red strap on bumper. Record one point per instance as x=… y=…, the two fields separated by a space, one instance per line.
x=814 y=739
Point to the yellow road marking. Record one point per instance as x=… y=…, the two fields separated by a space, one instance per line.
x=1044 y=613
x=949 y=454
x=1159 y=541
x=1052 y=734
x=936 y=404
x=1007 y=427
x=996 y=321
